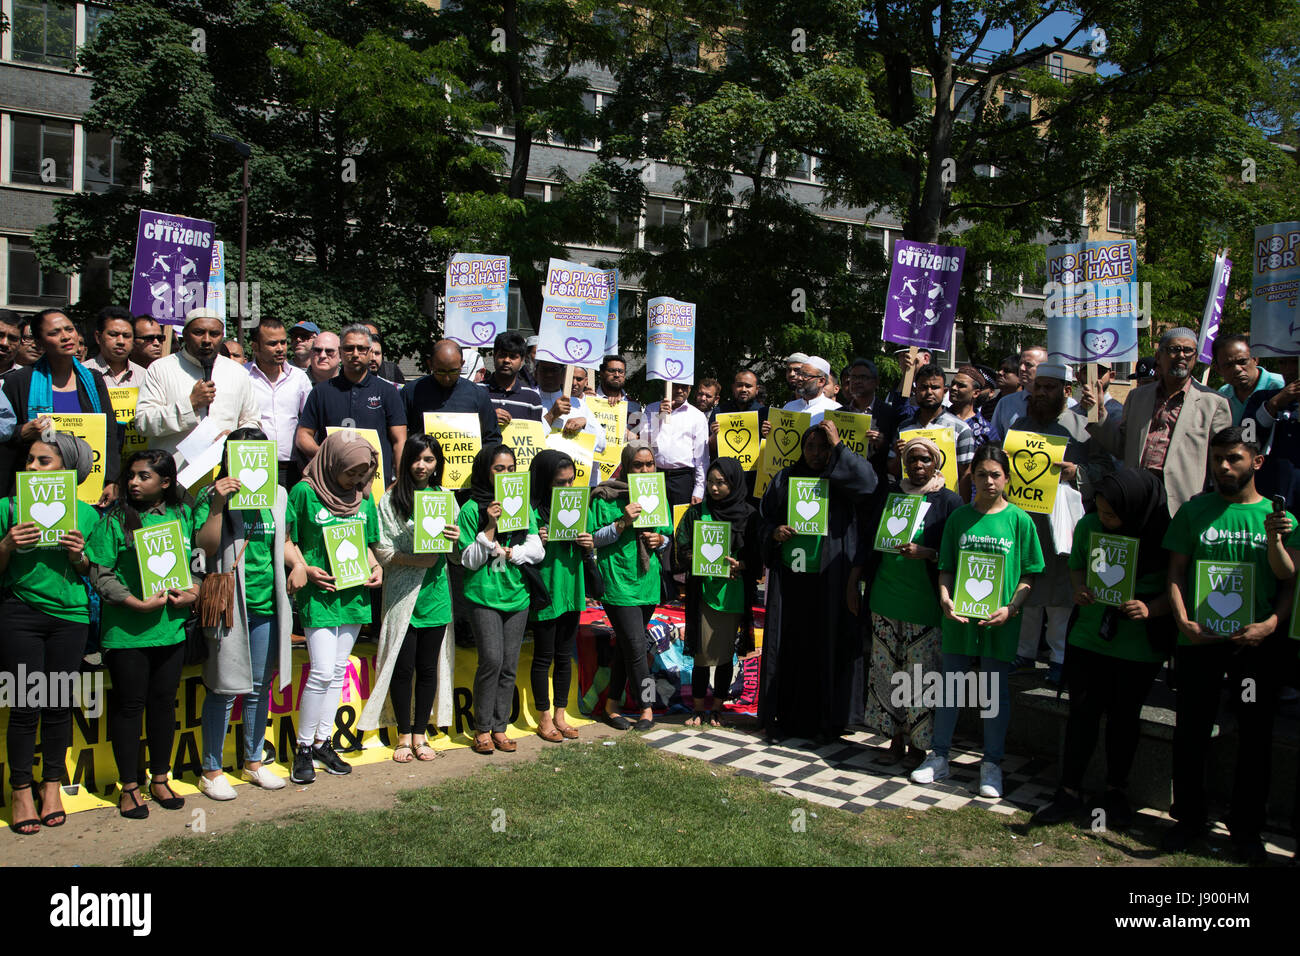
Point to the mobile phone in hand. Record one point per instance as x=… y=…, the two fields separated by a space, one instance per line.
x=1279 y=504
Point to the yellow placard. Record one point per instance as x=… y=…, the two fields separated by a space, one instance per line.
x=612 y=418
x=380 y=482
x=739 y=437
x=853 y=428
x=581 y=448
x=460 y=437
x=782 y=446
x=680 y=510
x=947 y=442
x=1035 y=469
x=526 y=439
x=124 y=400
x=92 y=427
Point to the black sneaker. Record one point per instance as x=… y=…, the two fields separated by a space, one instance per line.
x=1063 y=807
x=304 y=771
x=333 y=763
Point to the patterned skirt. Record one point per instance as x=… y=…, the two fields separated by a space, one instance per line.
x=897 y=646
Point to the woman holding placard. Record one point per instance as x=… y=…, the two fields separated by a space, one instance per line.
x=898 y=554
x=628 y=558
x=415 y=516
x=555 y=628
x=42 y=561
x=248 y=618
x=501 y=580
x=989 y=552
x=140 y=554
x=719 y=608
x=333 y=522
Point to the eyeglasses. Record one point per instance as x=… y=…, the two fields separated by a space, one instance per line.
x=354 y=348
x=1177 y=350
x=151 y=338
x=329 y=352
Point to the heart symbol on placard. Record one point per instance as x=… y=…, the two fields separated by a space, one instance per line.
x=787 y=439
x=253 y=478
x=1111 y=574
x=346 y=551
x=978 y=589
x=567 y=516
x=648 y=502
x=808 y=509
x=511 y=504
x=48 y=515
x=577 y=349
x=737 y=438
x=160 y=564
x=711 y=552
x=433 y=526
x=672 y=367
x=895 y=526
x=1224 y=605
x=483 y=331
x=1100 y=342
x=1027 y=466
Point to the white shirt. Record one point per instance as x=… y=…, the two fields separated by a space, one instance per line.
x=681 y=442
x=164 y=414
x=280 y=403
x=818 y=407
x=577 y=409
x=131 y=376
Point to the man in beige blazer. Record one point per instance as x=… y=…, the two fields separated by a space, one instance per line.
x=1167 y=424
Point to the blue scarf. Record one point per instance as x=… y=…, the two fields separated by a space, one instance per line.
x=40 y=396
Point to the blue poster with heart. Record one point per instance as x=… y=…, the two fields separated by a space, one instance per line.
x=1275 y=289
x=575 y=312
x=670 y=340
x=1092 y=301
x=476 y=298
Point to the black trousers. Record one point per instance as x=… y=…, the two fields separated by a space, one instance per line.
x=40 y=643
x=680 y=483
x=1100 y=684
x=721 y=684
x=417 y=658
x=144 y=678
x=630 y=625
x=553 y=641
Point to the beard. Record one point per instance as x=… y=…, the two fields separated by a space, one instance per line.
x=1044 y=411
x=1179 y=372
x=1233 y=486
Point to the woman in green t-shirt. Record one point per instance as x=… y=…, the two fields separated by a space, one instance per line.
x=500 y=580
x=143 y=638
x=555 y=628
x=417 y=606
x=991 y=526
x=46 y=617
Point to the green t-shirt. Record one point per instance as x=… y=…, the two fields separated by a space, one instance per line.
x=1130 y=642
x=499 y=583
x=259 y=571
x=306 y=516
x=43 y=578
x=903 y=590
x=561 y=572
x=1010 y=533
x=1207 y=528
x=433 y=604
x=625 y=584
x=111 y=547
x=725 y=595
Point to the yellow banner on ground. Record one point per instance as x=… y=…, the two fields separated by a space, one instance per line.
x=581 y=448
x=526 y=439
x=93 y=428
x=124 y=400
x=946 y=440
x=853 y=428
x=1035 y=469
x=460 y=437
x=781 y=448
x=381 y=480
x=739 y=438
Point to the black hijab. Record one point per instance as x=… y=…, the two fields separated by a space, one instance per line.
x=546 y=464
x=801 y=468
x=1138 y=497
x=735 y=507
x=482 y=487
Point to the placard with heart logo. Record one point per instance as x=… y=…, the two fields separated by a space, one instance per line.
x=568 y=517
x=781 y=448
x=900 y=521
x=1033 y=482
x=650 y=491
x=1225 y=596
x=345 y=545
x=476 y=300
x=808 y=505
x=572 y=328
x=49 y=499
x=977 y=589
x=945 y=439
x=163 y=558
x=710 y=546
x=1112 y=567
x=670 y=339
x=512 y=495
x=255 y=464
x=433 y=513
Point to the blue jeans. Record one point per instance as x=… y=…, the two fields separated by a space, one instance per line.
x=995 y=726
x=264 y=652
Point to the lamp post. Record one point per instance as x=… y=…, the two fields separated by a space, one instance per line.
x=245 y=151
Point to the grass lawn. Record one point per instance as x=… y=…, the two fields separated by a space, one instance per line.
x=629 y=804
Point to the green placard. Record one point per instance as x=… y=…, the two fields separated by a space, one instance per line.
x=807 y=505
x=512 y=494
x=977 y=590
x=1112 y=567
x=254 y=464
x=899 y=521
x=49 y=500
x=433 y=511
x=568 y=513
x=164 y=556
x=345 y=543
x=1225 y=596
x=710 y=547
x=650 y=491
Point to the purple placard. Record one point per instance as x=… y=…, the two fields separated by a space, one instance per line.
x=1213 y=313
x=924 y=283
x=173 y=256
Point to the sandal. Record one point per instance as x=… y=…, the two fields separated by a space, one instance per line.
x=410 y=753
x=55 y=818
x=715 y=718
x=26 y=827
x=567 y=732
x=482 y=745
x=505 y=744
x=138 y=812
x=696 y=719
x=171 y=802
x=554 y=736
x=422 y=749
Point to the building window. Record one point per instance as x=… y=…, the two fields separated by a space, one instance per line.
x=663 y=218
x=1123 y=209
x=517 y=313
x=104 y=165
x=861 y=253
x=29 y=284
x=96 y=280
x=44 y=32
x=535 y=190
x=41 y=154
x=95 y=17
x=1017 y=105
x=967 y=112
x=705 y=228
x=921 y=86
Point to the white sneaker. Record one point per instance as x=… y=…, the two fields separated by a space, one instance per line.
x=932 y=768
x=218 y=788
x=990 y=780
x=263 y=777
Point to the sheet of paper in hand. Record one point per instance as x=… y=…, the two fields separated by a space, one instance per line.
x=899 y=521
x=164 y=555
x=512 y=494
x=568 y=513
x=650 y=491
x=1225 y=595
x=345 y=542
x=48 y=499
x=710 y=547
x=432 y=515
x=977 y=590
x=808 y=505
x=1112 y=568
x=254 y=463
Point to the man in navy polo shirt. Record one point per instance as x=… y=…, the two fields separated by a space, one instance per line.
x=356 y=399
x=510 y=395
x=444 y=390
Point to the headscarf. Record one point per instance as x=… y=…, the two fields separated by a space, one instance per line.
x=1138 y=497
x=936 y=482
x=802 y=468
x=614 y=487
x=324 y=473
x=482 y=486
x=545 y=465
x=735 y=507
x=76 y=454
x=975 y=375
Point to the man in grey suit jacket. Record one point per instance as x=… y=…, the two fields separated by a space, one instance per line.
x=1167 y=424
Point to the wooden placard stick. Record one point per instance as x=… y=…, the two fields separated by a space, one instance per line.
x=1090 y=376
x=905 y=390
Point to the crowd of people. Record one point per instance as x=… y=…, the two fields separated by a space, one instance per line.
x=1190 y=474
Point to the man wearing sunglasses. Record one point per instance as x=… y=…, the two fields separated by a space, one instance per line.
x=147 y=343
x=324 y=358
